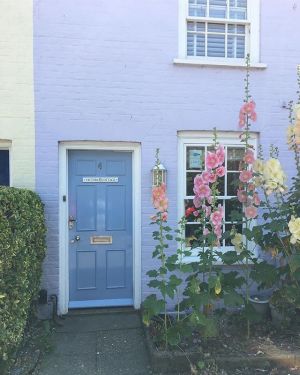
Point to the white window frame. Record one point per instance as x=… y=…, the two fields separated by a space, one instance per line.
x=7 y=145
x=252 y=39
x=203 y=138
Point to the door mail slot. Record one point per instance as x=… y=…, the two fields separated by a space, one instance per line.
x=101 y=240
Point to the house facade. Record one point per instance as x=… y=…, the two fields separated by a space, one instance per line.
x=116 y=80
x=17 y=133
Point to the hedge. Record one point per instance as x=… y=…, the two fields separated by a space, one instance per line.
x=22 y=250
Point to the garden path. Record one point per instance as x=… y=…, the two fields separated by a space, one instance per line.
x=98 y=342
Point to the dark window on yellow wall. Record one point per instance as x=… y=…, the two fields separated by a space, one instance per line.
x=4 y=167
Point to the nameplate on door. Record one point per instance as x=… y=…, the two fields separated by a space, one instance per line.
x=101 y=240
x=101 y=179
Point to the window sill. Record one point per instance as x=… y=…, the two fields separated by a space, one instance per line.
x=218 y=63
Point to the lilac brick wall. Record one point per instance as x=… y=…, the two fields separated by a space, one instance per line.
x=104 y=71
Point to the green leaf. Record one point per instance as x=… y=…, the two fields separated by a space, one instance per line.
x=152 y=273
x=169 y=237
x=233 y=299
x=294 y=262
x=173 y=336
x=153 y=305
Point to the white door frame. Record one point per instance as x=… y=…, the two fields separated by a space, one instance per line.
x=135 y=148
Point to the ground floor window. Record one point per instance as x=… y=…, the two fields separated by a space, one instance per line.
x=4 y=167
x=193 y=147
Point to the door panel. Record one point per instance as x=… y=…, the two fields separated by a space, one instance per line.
x=100 y=270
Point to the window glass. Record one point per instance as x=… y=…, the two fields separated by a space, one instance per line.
x=4 y=167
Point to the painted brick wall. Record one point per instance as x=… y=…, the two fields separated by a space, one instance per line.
x=104 y=71
x=16 y=88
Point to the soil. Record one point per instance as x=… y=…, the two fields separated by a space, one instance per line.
x=266 y=340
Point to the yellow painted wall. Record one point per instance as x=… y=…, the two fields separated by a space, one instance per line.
x=16 y=89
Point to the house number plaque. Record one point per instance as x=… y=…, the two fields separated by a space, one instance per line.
x=101 y=179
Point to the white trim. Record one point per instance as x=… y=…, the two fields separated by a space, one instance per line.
x=135 y=148
x=252 y=40
x=7 y=145
x=206 y=61
x=200 y=138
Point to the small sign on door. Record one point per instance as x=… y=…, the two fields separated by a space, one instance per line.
x=100 y=179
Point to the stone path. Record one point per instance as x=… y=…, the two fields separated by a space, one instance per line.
x=107 y=342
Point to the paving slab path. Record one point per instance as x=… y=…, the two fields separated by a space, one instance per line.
x=101 y=342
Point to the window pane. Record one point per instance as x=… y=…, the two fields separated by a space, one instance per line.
x=234 y=156
x=216 y=45
x=217 y=8
x=4 y=167
x=197 y=8
x=238 y=9
x=232 y=206
x=190 y=183
x=195 y=158
x=232 y=183
x=221 y=185
x=191 y=233
x=228 y=227
x=236 y=29
x=200 y=46
x=188 y=211
x=236 y=47
x=216 y=28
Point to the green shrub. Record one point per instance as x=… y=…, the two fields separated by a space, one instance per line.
x=22 y=250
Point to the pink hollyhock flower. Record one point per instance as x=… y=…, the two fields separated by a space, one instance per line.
x=163 y=205
x=256 y=199
x=205 y=177
x=220 y=152
x=217 y=216
x=196 y=213
x=164 y=216
x=198 y=180
x=251 y=187
x=209 y=199
x=251 y=212
x=249 y=157
x=212 y=160
x=212 y=178
x=202 y=191
x=242 y=121
x=249 y=107
x=242 y=196
x=253 y=116
x=220 y=171
x=218 y=231
x=197 y=202
x=207 y=210
x=205 y=232
x=245 y=176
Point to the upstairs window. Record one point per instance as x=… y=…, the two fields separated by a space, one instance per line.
x=4 y=167
x=223 y=30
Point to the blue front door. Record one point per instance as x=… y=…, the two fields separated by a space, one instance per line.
x=100 y=229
